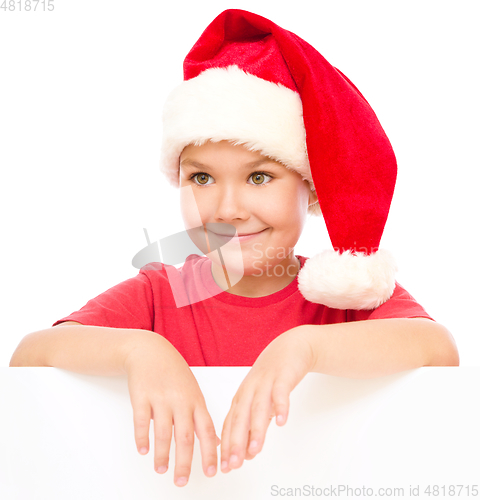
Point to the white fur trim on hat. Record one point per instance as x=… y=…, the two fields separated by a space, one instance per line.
x=348 y=281
x=230 y=104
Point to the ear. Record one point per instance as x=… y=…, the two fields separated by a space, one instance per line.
x=312 y=198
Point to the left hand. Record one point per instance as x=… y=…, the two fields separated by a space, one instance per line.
x=264 y=393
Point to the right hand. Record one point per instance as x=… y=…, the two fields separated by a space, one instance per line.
x=163 y=388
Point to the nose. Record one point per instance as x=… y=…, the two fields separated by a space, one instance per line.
x=230 y=203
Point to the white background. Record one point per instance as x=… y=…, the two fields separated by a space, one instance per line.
x=81 y=95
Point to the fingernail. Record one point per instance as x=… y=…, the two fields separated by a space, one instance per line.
x=162 y=469
x=211 y=470
x=181 y=481
x=224 y=465
x=280 y=419
x=143 y=450
x=253 y=445
x=233 y=460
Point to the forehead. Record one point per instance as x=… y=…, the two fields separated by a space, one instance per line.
x=209 y=155
x=223 y=150
x=190 y=163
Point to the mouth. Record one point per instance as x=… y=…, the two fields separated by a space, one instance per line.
x=241 y=237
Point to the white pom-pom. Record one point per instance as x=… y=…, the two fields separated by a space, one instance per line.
x=347 y=280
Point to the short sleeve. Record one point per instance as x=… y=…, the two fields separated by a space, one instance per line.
x=126 y=305
x=400 y=305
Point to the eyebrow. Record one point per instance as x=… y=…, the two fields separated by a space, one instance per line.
x=187 y=162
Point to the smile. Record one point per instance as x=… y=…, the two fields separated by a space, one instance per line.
x=244 y=237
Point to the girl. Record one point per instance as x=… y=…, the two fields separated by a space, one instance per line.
x=262 y=132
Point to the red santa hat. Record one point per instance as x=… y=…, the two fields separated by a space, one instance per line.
x=254 y=83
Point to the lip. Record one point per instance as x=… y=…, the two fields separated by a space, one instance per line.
x=242 y=237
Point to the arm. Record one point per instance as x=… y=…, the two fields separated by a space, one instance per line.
x=161 y=385
x=359 y=349
x=92 y=350
x=372 y=348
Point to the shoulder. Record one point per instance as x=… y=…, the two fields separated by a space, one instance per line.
x=160 y=270
x=161 y=276
x=400 y=305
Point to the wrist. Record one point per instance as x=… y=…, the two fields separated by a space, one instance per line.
x=309 y=340
x=142 y=344
x=317 y=340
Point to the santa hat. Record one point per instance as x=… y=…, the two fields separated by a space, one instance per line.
x=254 y=83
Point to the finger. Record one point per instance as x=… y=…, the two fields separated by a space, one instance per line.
x=207 y=436
x=248 y=455
x=142 y=413
x=262 y=410
x=281 y=401
x=238 y=435
x=162 y=424
x=224 y=443
x=184 y=441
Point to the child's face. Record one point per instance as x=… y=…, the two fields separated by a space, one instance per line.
x=229 y=187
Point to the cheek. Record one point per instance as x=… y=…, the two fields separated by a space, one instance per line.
x=190 y=208
x=288 y=205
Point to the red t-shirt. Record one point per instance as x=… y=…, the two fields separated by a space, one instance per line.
x=223 y=329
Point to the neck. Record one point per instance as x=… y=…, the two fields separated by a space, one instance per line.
x=261 y=281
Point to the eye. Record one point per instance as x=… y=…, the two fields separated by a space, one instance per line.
x=201 y=175
x=259 y=176
x=201 y=178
